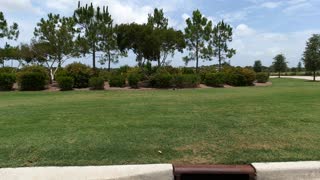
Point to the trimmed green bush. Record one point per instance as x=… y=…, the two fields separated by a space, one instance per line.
x=6 y=81
x=239 y=76
x=65 y=83
x=96 y=83
x=215 y=79
x=7 y=70
x=133 y=80
x=117 y=80
x=161 y=79
x=32 y=81
x=186 y=80
x=262 y=77
x=105 y=75
x=187 y=70
x=81 y=74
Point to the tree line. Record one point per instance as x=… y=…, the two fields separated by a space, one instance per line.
x=91 y=31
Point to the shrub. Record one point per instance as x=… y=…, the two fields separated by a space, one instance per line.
x=31 y=81
x=81 y=74
x=133 y=79
x=215 y=79
x=38 y=69
x=187 y=70
x=65 y=83
x=117 y=80
x=61 y=73
x=105 y=75
x=262 y=77
x=7 y=70
x=186 y=80
x=6 y=81
x=96 y=83
x=239 y=76
x=161 y=79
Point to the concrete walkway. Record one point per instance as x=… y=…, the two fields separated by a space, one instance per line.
x=308 y=170
x=298 y=77
x=127 y=172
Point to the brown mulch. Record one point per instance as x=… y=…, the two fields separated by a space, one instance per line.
x=54 y=87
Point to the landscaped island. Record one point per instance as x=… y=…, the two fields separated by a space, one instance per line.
x=193 y=126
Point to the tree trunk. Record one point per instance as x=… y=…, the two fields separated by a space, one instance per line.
x=51 y=75
x=197 y=60
x=109 y=63
x=314 y=75
x=219 y=60
x=94 y=57
x=159 y=64
x=279 y=74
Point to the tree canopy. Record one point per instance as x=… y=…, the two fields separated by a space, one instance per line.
x=197 y=35
x=279 y=63
x=221 y=36
x=311 y=55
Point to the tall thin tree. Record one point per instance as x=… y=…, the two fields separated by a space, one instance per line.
x=221 y=36
x=197 y=35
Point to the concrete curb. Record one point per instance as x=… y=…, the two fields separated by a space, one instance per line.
x=127 y=172
x=288 y=170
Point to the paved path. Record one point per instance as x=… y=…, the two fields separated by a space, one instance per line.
x=298 y=77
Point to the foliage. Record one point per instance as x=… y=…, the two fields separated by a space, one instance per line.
x=31 y=81
x=65 y=83
x=186 y=80
x=55 y=41
x=133 y=79
x=9 y=32
x=279 y=64
x=311 y=55
x=95 y=26
x=221 y=35
x=6 y=81
x=81 y=74
x=105 y=75
x=161 y=79
x=262 y=77
x=257 y=67
x=117 y=80
x=215 y=79
x=7 y=70
x=197 y=34
x=96 y=83
x=299 y=67
x=239 y=76
x=187 y=70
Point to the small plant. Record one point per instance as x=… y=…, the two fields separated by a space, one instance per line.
x=105 y=75
x=96 y=83
x=186 y=80
x=161 y=80
x=117 y=80
x=32 y=81
x=6 y=81
x=81 y=74
x=215 y=79
x=65 y=83
x=262 y=77
x=133 y=80
x=239 y=76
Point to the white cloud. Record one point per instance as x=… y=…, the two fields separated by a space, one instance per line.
x=18 y=5
x=265 y=45
x=271 y=5
x=243 y=30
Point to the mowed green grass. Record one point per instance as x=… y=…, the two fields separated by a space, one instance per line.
x=192 y=126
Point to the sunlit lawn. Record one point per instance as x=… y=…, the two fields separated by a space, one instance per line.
x=199 y=126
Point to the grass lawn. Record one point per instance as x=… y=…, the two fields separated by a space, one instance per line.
x=192 y=126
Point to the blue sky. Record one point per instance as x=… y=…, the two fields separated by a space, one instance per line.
x=262 y=28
